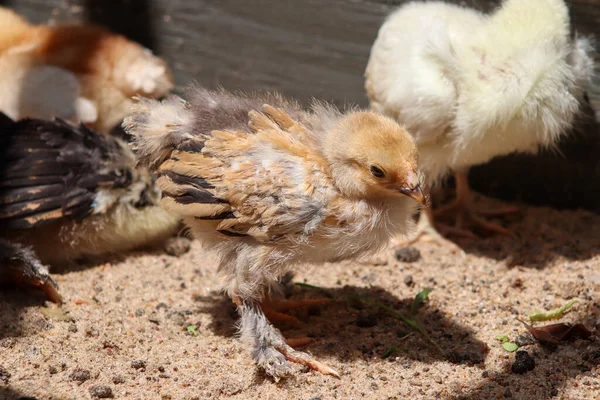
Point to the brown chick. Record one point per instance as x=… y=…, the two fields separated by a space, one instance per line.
x=271 y=187
x=67 y=192
x=108 y=68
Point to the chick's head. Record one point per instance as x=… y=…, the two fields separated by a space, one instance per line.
x=373 y=157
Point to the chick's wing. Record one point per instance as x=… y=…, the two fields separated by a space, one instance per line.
x=268 y=183
x=51 y=170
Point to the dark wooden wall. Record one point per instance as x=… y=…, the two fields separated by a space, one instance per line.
x=318 y=48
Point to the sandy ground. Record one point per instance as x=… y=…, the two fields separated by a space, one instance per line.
x=123 y=330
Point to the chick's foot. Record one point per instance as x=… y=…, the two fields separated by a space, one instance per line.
x=269 y=348
x=461 y=208
x=275 y=310
x=465 y=217
x=429 y=231
x=22 y=267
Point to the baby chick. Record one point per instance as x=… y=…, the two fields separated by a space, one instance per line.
x=471 y=86
x=271 y=189
x=68 y=192
x=84 y=73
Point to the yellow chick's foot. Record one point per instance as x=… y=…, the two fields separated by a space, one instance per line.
x=270 y=350
x=429 y=231
x=465 y=216
x=275 y=310
x=304 y=359
x=24 y=268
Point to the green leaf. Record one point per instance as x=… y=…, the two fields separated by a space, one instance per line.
x=502 y=338
x=193 y=329
x=509 y=346
x=419 y=299
x=556 y=313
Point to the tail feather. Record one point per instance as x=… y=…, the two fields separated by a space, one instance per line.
x=157 y=127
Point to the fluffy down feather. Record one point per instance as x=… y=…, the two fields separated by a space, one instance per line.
x=472 y=86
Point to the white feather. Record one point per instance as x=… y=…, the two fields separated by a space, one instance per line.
x=471 y=86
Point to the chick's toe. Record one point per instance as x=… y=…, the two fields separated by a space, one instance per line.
x=270 y=350
x=275 y=310
x=21 y=266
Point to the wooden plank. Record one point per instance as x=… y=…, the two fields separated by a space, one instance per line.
x=304 y=49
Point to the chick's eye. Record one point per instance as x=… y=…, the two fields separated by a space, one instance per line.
x=377 y=172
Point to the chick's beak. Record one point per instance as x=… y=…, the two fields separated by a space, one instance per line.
x=415 y=193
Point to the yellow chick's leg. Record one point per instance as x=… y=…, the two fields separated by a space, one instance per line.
x=269 y=348
x=430 y=231
x=465 y=216
x=275 y=310
x=22 y=266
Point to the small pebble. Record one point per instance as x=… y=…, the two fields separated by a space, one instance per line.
x=101 y=392
x=507 y=393
x=8 y=342
x=117 y=379
x=523 y=362
x=408 y=254
x=139 y=312
x=53 y=370
x=408 y=280
x=177 y=246
x=4 y=376
x=80 y=375
x=138 y=364
x=524 y=339
x=547 y=287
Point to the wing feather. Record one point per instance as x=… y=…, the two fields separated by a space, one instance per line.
x=52 y=170
x=256 y=182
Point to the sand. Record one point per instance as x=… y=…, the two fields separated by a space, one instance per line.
x=146 y=325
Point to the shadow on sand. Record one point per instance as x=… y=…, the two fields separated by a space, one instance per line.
x=351 y=327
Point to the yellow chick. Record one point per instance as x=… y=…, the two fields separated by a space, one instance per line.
x=471 y=86
x=83 y=73
x=268 y=187
x=68 y=192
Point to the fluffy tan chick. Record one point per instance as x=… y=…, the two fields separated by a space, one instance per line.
x=106 y=69
x=268 y=185
x=67 y=193
x=471 y=86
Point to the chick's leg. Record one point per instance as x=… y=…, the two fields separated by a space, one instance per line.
x=269 y=348
x=436 y=231
x=275 y=310
x=20 y=265
x=462 y=205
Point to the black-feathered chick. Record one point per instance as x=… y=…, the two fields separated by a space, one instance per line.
x=67 y=192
